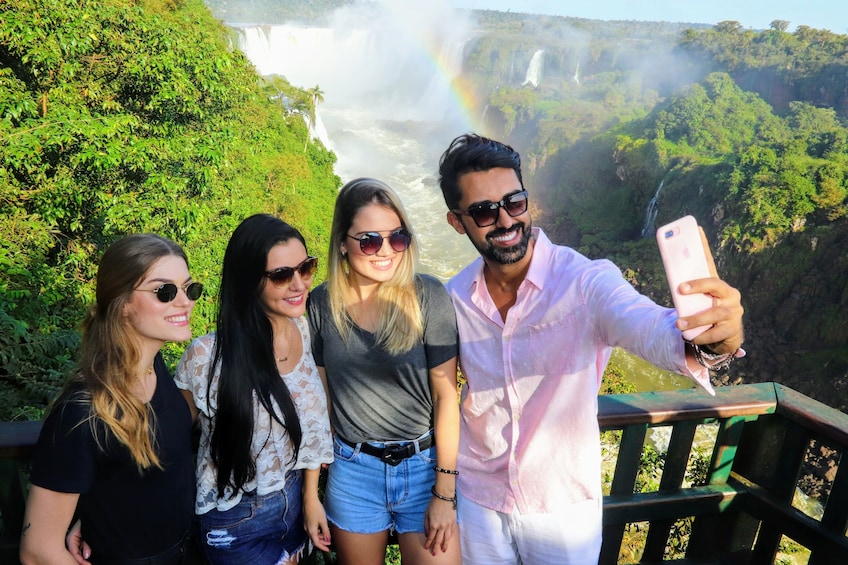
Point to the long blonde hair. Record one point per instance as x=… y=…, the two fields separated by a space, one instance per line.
x=401 y=322
x=110 y=354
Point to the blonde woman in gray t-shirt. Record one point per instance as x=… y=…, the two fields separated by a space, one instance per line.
x=384 y=340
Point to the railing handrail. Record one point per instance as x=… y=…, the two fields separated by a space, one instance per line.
x=618 y=410
x=765 y=433
x=18 y=439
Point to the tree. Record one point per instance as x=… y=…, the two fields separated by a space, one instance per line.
x=120 y=118
x=317 y=97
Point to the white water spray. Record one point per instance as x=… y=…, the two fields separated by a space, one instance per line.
x=389 y=110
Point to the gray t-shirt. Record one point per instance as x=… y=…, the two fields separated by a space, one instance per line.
x=376 y=396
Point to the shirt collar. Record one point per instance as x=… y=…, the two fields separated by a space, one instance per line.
x=542 y=253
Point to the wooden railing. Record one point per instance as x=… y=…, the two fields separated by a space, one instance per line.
x=17 y=443
x=745 y=511
x=742 y=513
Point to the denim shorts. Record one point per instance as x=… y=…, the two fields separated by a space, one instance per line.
x=366 y=496
x=257 y=530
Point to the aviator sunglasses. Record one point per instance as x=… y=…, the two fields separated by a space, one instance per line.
x=168 y=291
x=486 y=213
x=283 y=275
x=371 y=242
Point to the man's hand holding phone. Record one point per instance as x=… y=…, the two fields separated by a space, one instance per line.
x=710 y=310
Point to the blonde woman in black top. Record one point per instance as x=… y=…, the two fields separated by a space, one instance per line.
x=115 y=448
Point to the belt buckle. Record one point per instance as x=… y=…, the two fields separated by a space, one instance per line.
x=394 y=454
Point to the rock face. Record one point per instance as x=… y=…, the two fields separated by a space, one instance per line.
x=796 y=301
x=819 y=471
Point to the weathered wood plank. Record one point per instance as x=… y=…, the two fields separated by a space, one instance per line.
x=618 y=410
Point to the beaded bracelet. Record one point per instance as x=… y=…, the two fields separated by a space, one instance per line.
x=445 y=471
x=710 y=360
x=445 y=498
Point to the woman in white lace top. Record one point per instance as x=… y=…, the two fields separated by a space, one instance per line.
x=262 y=408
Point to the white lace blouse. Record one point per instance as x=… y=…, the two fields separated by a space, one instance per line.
x=271 y=446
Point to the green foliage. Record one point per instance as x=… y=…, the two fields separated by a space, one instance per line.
x=722 y=154
x=119 y=117
x=651 y=465
x=615 y=379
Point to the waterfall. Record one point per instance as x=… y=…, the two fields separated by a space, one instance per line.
x=361 y=66
x=389 y=109
x=651 y=213
x=534 y=69
x=318 y=130
x=576 y=77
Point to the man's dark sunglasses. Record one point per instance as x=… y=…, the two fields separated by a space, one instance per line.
x=168 y=291
x=486 y=213
x=283 y=275
x=371 y=242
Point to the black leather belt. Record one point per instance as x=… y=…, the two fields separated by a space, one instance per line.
x=395 y=453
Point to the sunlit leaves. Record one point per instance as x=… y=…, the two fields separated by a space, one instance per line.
x=122 y=116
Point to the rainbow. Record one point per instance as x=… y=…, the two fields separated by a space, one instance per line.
x=463 y=93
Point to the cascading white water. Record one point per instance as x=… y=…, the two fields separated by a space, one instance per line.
x=319 y=130
x=651 y=213
x=534 y=69
x=389 y=108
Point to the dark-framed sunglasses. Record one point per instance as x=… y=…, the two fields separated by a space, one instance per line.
x=168 y=291
x=371 y=242
x=283 y=275
x=486 y=213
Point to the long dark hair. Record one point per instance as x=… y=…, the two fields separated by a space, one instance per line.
x=244 y=347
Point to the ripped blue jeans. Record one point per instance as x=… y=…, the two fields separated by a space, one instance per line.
x=259 y=530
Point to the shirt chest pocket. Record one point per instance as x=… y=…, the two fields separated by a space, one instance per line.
x=555 y=346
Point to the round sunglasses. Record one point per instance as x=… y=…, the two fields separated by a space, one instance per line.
x=168 y=291
x=283 y=275
x=486 y=213
x=371 y=242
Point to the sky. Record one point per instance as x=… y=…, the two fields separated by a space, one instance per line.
x=754 y=14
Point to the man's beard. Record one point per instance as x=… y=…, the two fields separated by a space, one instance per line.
x=505 y=255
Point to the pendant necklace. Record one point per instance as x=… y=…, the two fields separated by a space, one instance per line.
x=284 y=358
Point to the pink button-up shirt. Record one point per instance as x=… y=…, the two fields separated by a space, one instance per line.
x=529 y=428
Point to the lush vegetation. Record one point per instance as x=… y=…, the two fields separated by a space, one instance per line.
x=744 y=129
x=120 y=116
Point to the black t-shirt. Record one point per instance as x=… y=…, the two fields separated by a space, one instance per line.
x=125 y=513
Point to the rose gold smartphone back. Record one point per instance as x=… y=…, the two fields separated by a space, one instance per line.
x=684 y=260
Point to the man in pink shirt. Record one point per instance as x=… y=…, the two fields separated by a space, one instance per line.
x=537 y=324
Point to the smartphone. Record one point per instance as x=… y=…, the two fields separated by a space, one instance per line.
x=684 y=260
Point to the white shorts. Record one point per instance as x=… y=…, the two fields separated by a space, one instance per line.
x=571 y=536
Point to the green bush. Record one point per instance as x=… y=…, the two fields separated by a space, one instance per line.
x=123 y=116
